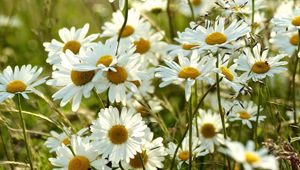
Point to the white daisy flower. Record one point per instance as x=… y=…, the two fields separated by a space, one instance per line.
x=250 y=158
x=188 y=71
x=72 y=39
x=209 y=129
x=200 y=7
x=134 y=28
x=118 y=136
x=154 y=6
x=153 y=154
x=243 y=111
x=83 y=156
x=288 y=19
x=183 y=154
x=20 y=81
x=240 y=6
x=183 y=47
x=218 y=36
x=286 y=42
x=75 y=84
x=121 y=3
x=257 y=66
x=122 y=77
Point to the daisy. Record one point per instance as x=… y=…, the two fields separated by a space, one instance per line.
x=200 y=7
x=250 y=158
x=288 y=20
x=243 y=111
x=75 y=84
x=20 y=81
x=257 y=66
x=154 y=6
x=72 y=39
x=209 y=128
x=240 y=6
x=118 y=136
x=188 y=71
x=82 y=156
x=134 y=28
x=218 y=36
x=124 y=76
x=153 y=154
x=183 y=154
x=287 y=42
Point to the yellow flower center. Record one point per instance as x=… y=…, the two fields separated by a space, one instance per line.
x=79 y=163
x=117 y=77
x=142 y=46
x=136 y=83
x=80 y=78
x=128 y=30
x=251 y=157
x=294 y=40
x=227 y=73
x=66 y=141
x=188 y=46
x=215 y=38
x=105 y=60
x=184 y=155
x=208 y=130
x=296 y=21
x=189 y=72
x=260 y=67
x=118 y=134
x=196 y=2
x=16 y=86
x=244 y=115
x=73 y=46
x=136 y=161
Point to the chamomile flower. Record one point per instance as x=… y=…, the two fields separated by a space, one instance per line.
x=286 y=41
x=188 y=71
x=288 y=20
x=21 y=80
x=153 y=154
x=183 y=154
x=200 y=7
x=118 y=136
x=150 y=47
x=121 y=3
x=240 y=6
x=249 y=157
x=122 y=77
x=211 y=38
x=75 y=84
x=154 y=6
x=209 y=128
x=257 y=66
x=244 y=111
x=134 y=28
x=83 y=156
x=72 y=39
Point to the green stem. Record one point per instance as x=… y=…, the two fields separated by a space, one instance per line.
x=171 y=28
x=99 y=99
x=142 y=161
x=257 y=116
x=24 y=131
x=4 y=147
x=124 y=24
x=294 y=81
x=186 y=130
x=190 y=132
x=196 y=98
x=252 y=18
x=192 y=10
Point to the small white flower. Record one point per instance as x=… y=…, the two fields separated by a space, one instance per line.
x=240 y=6
x=83 y=156
x=20 y=81
x=250 y=158
x=287 y=42
x=200 y=7
x=257 y=66
x=288 y=19
x=154 y=6
x=118 y=136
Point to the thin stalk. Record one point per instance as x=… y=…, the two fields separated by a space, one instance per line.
x=195 y=99
x=99 y=99
x=252 y=18
x=294 y=81
x=257 y=116
x=124 y=24
x=142 y=161
x=24 y=132
x=186 y=130
x=4 y=148
x=190 y=132
x=192 y=10
x=171 y=28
